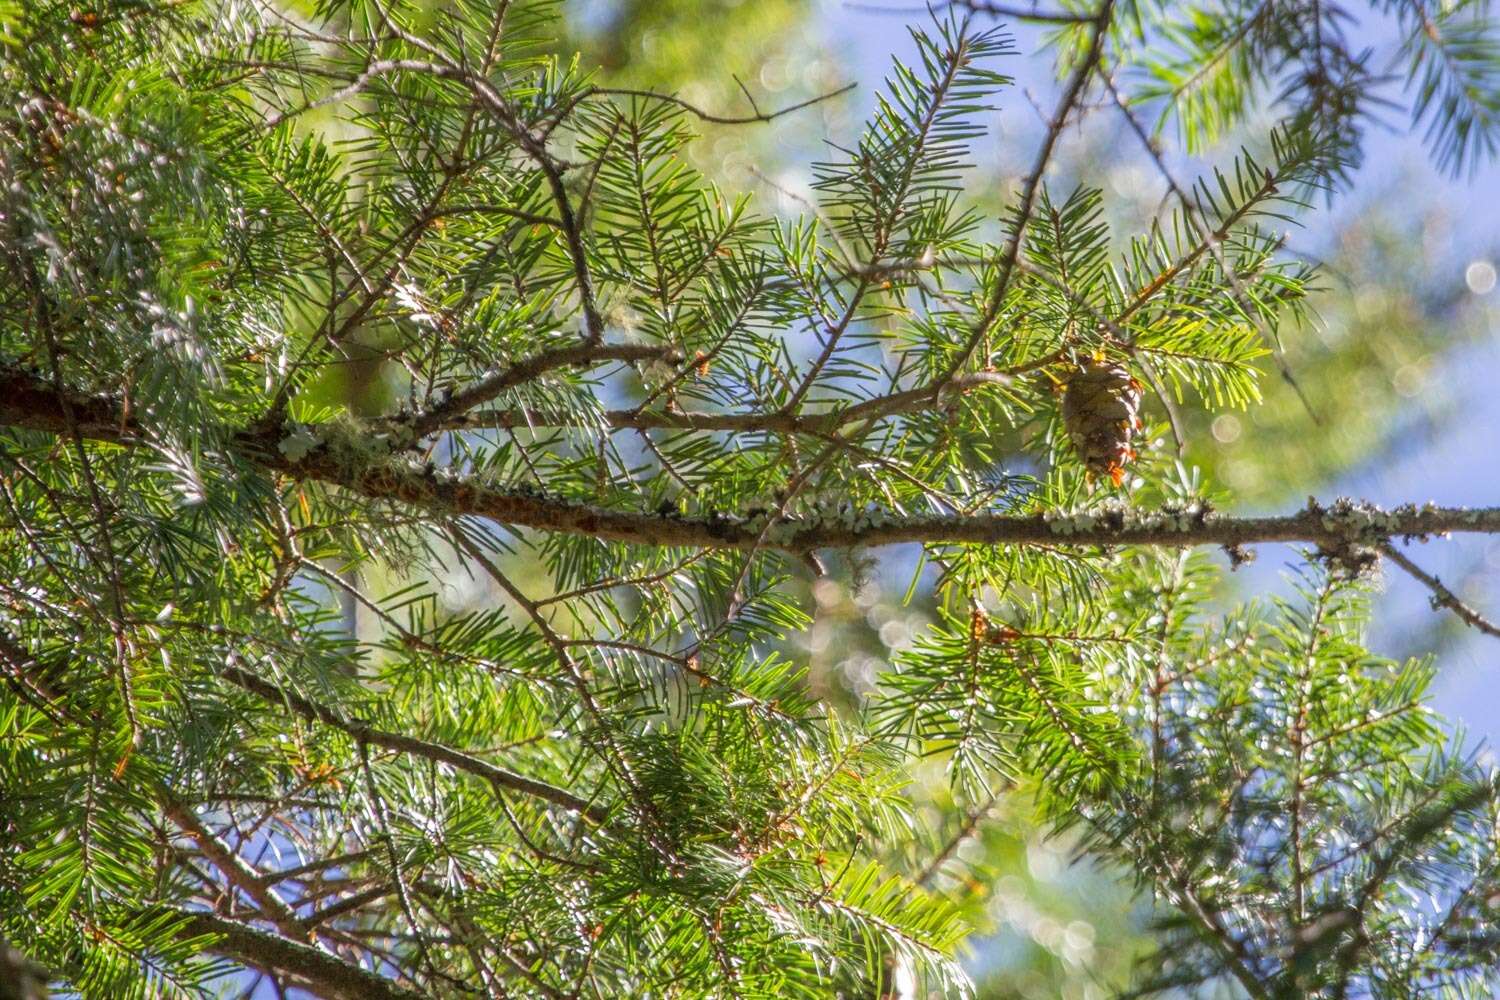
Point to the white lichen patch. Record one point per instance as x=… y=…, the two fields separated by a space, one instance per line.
x=353 y=444
x=1114 y=516
x=299 y=442
x=1355 y=521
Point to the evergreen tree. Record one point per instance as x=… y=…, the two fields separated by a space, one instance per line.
x=478 y=681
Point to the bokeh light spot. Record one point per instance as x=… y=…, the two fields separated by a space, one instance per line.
x=1480 y=277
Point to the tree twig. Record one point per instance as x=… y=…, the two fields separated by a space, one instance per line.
x=756 y=116
x=1442 y=597
x=1020 y=12
x=1072 y=91
x=527 y=369
x=498 y=777
x=779 y=421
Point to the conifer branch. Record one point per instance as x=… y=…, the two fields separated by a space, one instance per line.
x=1213 y=240
x=757 y=116
x=1019 y=12
x=450 y=411
x=498 y=777
x=234 y=868
x=776 y=422
x=30 y=402
x=798 y=533
x=1066 y=104
x=183 y=266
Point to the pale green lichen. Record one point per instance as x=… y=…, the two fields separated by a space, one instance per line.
x=1355 y=521
x=299 y=442
x=352 y=444
x=1118 y=517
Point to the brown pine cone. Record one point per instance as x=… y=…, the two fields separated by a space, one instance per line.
x=1101 y=409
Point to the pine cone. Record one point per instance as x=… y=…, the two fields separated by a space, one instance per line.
x=1101 y=408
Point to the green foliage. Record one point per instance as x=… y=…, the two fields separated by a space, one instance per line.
x=1211 y=64
x=419 y=690
x=1291 y=777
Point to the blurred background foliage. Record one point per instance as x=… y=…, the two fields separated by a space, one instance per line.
x=1396 y=304
x=777 y=57
x=1391 y=309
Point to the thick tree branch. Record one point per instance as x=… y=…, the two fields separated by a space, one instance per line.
x=28 y=401
x=1333 y=529
x=20 y=978
x=326 y=975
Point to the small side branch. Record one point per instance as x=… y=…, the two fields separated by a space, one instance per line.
x=1020 y=12
x=234 y=868
x=774 y=422
x=756 y=116
x=1442 y=597
x=1066 y=104
x=525 y=370
x=498 y=777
